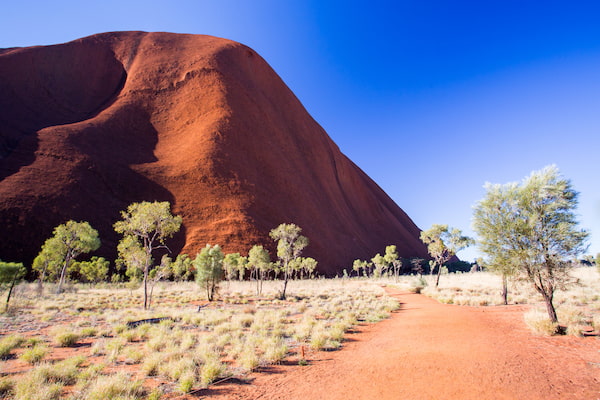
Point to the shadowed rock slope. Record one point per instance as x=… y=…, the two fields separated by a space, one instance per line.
x=90 y=126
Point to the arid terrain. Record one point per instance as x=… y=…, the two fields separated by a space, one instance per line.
x=331 y=339
x=428 y=350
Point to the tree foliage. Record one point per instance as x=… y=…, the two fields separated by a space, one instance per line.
x=145 y=228
x=259 y=262
x=182 y=267
x=209 y=269
x=392 y=260
x=531 y=228
x=11 y=273
x=69 y=240
x=442 y=244
x=290 y=244
x=93 y=271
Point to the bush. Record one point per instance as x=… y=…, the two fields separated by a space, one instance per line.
x=539 y=323
x=8 y=343
x=119 y=385
x=64 y=337
x=35 y=354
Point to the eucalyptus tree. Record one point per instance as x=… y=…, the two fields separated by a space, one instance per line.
x=209 y=269
x=69 y=240
x=290 y=244
x=259 y=262
x=11 y=273
x=235 y=266
x=537 y=234
x=145 y=227
x=492 y=219
x=361 y=267
x=442 y=244
x=392 y=259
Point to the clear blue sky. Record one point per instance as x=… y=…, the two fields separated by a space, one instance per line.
x=430 y=98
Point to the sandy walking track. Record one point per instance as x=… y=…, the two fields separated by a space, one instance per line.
x=429 y=350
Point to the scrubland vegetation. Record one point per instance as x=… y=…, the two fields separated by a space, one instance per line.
x=578 y=306
x=79 y=346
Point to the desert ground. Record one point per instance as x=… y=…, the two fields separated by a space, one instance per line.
x=331 y=339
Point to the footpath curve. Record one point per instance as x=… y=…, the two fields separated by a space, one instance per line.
x=428 y=350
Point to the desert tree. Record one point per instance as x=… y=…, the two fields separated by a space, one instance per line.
x=47 y=263
x=290 y=244
x=182 y=268
x=379 y=266
x=259 y=262
x=492 y=219
x=69 y=240
x=162 y=271
x=145 y=227
x=361 y=267
x=235 y=266
x=93 y=270
x=209 y=269
x=304 y=266
x=539 y=235
x=442 y=244
x=417 y=265
x=11 y=273
x=392 y=259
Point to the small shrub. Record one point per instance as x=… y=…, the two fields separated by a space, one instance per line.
x=186 y=382
x=211 y=370
x=539 y=323
x=35 y=354
x=119 y=385
x=65 y=338
x=8 y=343
x=34 y=385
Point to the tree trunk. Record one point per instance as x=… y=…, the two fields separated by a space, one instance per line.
x=439 y=273
x=505 y=289
x=63 y=272
x=146 y=288
x=550 y=307
x=12 y=285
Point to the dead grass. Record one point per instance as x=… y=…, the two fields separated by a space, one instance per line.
x=578 y=307
x=189 y=350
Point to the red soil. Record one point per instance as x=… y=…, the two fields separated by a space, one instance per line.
x=90 y=126
x=429 y=350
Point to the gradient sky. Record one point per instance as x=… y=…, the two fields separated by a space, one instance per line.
x=430 y=98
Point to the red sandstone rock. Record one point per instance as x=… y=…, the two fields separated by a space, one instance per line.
x=90 y=126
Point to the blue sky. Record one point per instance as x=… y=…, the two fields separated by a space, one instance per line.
x=430 y=98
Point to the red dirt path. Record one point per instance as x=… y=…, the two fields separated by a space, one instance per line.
x=429 y=350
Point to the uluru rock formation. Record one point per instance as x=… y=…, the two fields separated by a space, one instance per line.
x=90 y=126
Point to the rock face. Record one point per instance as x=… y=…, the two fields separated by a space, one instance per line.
x=90 y=126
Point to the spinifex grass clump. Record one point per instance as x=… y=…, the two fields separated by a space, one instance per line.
x=8 y=343
x=191 y=350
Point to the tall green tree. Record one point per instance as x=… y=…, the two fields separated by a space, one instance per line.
x=93 y=271
x=145 y=228
x=380 y=266
x=392 y=259
x=538 y=236
x=235 y=266
x=492 y=218
x=47 y=263
x=182 y=268
x=290 y=244
x=69 y=240
x=442 y=244
x=361 y=267
x=11 y=273
x=209 y=269
x=259 y=261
